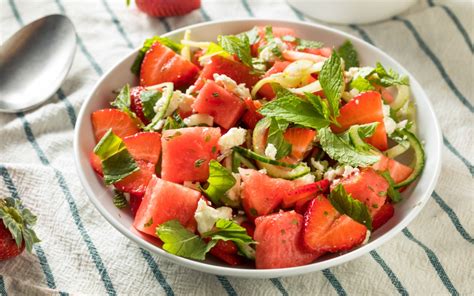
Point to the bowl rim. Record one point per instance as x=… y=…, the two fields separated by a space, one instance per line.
x=264 y=273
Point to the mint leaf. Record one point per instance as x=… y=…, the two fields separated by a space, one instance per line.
x=147 y=45
x=227 y=230
x=303 y=44
x=117 y=163
x=393 y=193
x=220 y=181
x=349 y=55
x=149 y=99
x=122 y=101
x=293 y=109
x=361 y=84
x=238 y=46
x=214 y=49
x=252 y=35
x=367 y=130
x=389 y=78
x=319 y=104
x=182 y=242
x=119 y=200
x=173 y=122
x=276 y=138
x=340 y=150
x=346 y=205
x=332 y=82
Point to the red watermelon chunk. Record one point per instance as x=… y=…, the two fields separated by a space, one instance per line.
x=398 y=171
x=279 y=238
x=121 y=124
x=235 y=70
x=137 y=182
x=224 y=106
x=267 y=91
x=161 y=64
x=187 y=152
x=165 y=201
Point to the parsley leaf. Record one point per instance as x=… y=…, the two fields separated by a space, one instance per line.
x=393 y=193
x=182 y=242
x=347 y=205
x=303 y=44
x=361 y=84
x=147 y=45
x=275 y=137
x=149 y=99
x=220 y=181
x=229 y=230
x=342 y=151
x=332 y=82
x=238 y=46
x=293 y=109
x=349 y=55
x=389 y=78
x=117 y=163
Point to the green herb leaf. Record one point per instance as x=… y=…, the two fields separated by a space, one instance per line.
x=214 y=49
x=275 y=137
x=303 y=44
x=119 y=200
x=293 y=109
x=182 y=242
x=220 y=181
x=122 y=101
x=173 y=122
x=389 y=78
x=367 y=130
x=117 y=163
x=238 y=46
x=319 y=104
x=227 y=230
x=393 y=193
x=349 y=55
x=252 y=35
x=346 y=205
x=340 y=150
x=332 y=82
x=361 y=84
x=147 y=45
x=149 y=99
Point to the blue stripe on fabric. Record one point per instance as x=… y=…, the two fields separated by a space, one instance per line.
x=246 y=5
x=72 y=207
x=3 y=291
x=69 y=108
x=298 y=14
x=454 y=218
x=462 y=158
x=391 y=275
x=334 y=282
x=15 y=12
x=434 y=261
x=204 y=14
x=277 y=283
x=157 y=272
x=63 y=294
x=226 y=285
x=362 y=33
x=117 y=24
x=165 y=24
x=7 y=179
x=436 y=62
x=456 y=22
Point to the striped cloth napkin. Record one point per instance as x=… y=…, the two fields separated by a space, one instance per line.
x=82 y=254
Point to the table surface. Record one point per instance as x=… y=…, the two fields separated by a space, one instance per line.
x=82 y=254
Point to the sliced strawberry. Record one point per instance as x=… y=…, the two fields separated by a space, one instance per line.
x=144 y=146
x=96 y=163
x=134 y=203
x=301 y=206
x=137 y=182
x=120 y=123
x=136 y=103
x=249 y=226
x=279 y=241
x=368 y=187
x=195 y=58
x=301 y=140
x=227 y=252
x=164 y=8
x=386 y=212
x=305 y=192
x=267 y=91
x=161 y=64
x=326 y=230
x=379 y=138
x=251 y=115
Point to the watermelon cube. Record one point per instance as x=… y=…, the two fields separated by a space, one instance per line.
x=165 y=201
x=187 y=152
x=224 y=106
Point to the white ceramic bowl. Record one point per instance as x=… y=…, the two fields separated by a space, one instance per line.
x=414 y=198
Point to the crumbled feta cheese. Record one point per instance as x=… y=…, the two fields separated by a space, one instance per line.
x=354 y=92
x=207 y=216
x=234 y=137
x=234 y=192
x=367 y=237
x=229 y=84
x=306 y=179
x=389 y=123
x=331 y=174
x=190 y=89
x=320 y=167
x=199 y=119
x=159 y=125
x=267 y=55
x=127 y=196
x=177 y=98
x=348 y=170
x=271 y=151
x=263 y=171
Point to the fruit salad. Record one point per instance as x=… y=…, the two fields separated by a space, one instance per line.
x=260 y=148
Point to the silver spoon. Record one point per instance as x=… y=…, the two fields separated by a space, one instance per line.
x=35 y=61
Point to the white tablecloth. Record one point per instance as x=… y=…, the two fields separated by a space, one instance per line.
x=82 y=254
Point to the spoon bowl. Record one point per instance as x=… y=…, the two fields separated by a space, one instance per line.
x=35 y=61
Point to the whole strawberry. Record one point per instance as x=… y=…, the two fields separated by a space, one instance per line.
x=16 y=233
x=164 y=8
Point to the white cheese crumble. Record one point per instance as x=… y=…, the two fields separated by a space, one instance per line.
x=340 y=171
x=234 y=192
x=267 y=55
x=263 y=171
x=306 y=179
x=271 y=151
x=198 y=119
x=207 y=216
x=234 y=137
x=390 y=124
x=320 y=166
x=367 y=237
x=229 y=84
